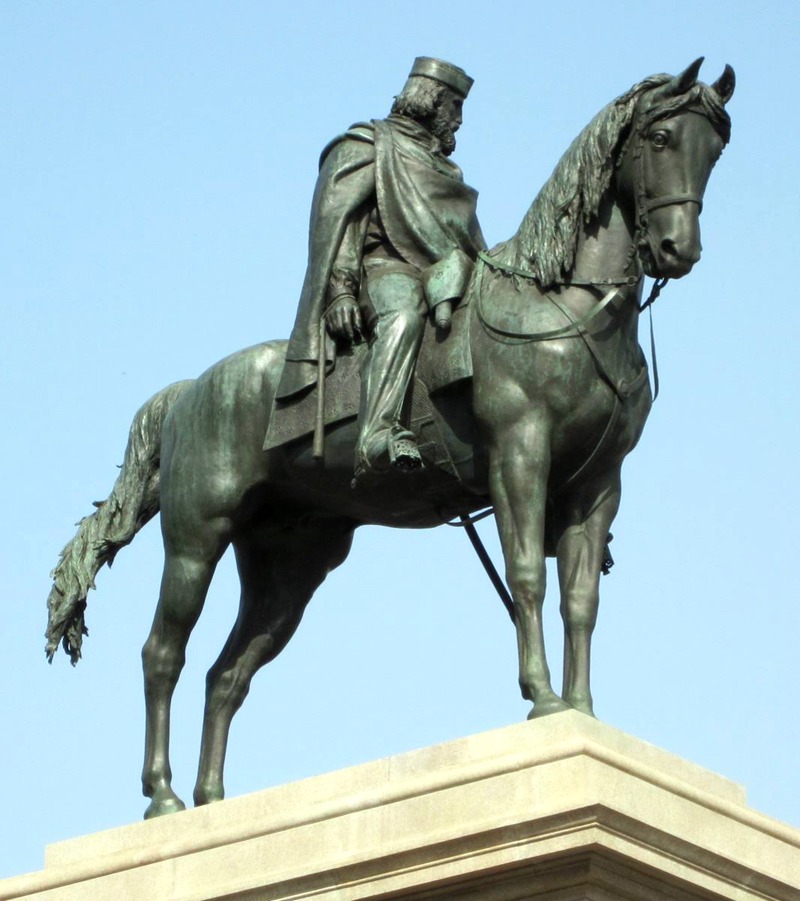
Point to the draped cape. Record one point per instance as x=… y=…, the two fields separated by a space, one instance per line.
x=425 y=208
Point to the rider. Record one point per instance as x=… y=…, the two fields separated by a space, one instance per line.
x=393 y=233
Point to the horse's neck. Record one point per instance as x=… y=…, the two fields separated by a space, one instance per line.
x=604 y=245
x=604 y=251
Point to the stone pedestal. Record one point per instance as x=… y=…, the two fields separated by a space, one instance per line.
x=560 y=809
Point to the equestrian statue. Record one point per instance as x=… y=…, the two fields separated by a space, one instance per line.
x=427 y=379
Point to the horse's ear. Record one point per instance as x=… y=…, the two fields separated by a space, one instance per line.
x=680 y=84
x=725 y=84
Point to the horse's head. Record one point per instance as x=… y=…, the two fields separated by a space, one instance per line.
x=677 y=134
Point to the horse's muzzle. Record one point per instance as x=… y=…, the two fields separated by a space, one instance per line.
x=669 y=257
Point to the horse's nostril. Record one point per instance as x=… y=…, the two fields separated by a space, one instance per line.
x=669 y=248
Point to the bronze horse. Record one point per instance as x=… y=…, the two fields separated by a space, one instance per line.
x=558 y=397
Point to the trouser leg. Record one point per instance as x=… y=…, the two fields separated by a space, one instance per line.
x=399 y=310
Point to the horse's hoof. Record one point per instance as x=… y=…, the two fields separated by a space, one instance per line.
x=163 y=807
x=203 y=797
x=582 y=705
x=547 y=706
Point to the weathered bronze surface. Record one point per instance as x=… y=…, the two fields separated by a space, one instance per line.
x=394 y=233
x=557 y=396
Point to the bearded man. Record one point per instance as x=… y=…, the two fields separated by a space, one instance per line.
x=393 y=235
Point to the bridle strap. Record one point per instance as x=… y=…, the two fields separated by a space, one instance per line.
x=644 y=204
x=571 y=328
x=575 y=327
x=630 y=281
x=654 y=203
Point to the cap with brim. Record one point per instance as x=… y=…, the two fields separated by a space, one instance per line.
x=446 y=73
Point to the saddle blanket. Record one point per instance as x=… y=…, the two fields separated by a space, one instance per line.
x=442 y=362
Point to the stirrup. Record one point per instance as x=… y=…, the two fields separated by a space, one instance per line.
x=403 y=451
x=398 y=451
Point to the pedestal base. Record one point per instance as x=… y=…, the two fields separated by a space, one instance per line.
x=559 y=809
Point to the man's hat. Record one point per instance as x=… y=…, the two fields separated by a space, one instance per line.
x=446 y=73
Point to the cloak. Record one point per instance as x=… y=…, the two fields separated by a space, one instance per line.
x=425 y=208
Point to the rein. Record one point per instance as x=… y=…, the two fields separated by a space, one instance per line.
x=467 y=522
x=643 y=206
x=630 y=280
x=575 y=325
x=550 y=334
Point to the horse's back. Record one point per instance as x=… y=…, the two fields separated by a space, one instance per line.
x=212 y=437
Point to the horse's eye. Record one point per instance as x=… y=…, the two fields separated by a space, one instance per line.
x=659 y=139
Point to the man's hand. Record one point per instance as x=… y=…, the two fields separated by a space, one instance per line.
x=343 y=319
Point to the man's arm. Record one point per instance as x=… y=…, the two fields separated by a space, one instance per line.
x=342 y=315
x=343 y=202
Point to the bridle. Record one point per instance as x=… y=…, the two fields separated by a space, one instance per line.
x=643 y=206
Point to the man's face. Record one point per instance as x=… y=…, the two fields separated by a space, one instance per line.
x=447 y=120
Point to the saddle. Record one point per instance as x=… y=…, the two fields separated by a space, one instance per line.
x=438 y=408
x=436 y=411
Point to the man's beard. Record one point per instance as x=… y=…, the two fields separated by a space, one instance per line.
x=443 y=131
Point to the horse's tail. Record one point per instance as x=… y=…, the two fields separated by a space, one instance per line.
x=133 y=502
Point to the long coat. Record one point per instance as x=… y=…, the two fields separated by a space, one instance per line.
x=425 y=208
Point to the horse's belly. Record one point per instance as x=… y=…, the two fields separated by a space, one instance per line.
x=420 y=499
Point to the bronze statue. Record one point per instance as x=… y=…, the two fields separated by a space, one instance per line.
x=558 y=396
x=393 y=233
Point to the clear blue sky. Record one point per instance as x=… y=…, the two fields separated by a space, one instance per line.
x=157 y=163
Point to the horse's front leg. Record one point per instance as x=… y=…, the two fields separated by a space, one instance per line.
x=519 y=466
x=586 y=518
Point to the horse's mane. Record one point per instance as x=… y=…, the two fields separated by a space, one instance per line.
x=546 y=240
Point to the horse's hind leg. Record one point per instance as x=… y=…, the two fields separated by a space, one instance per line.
x=192 y=553
x=279 y=571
